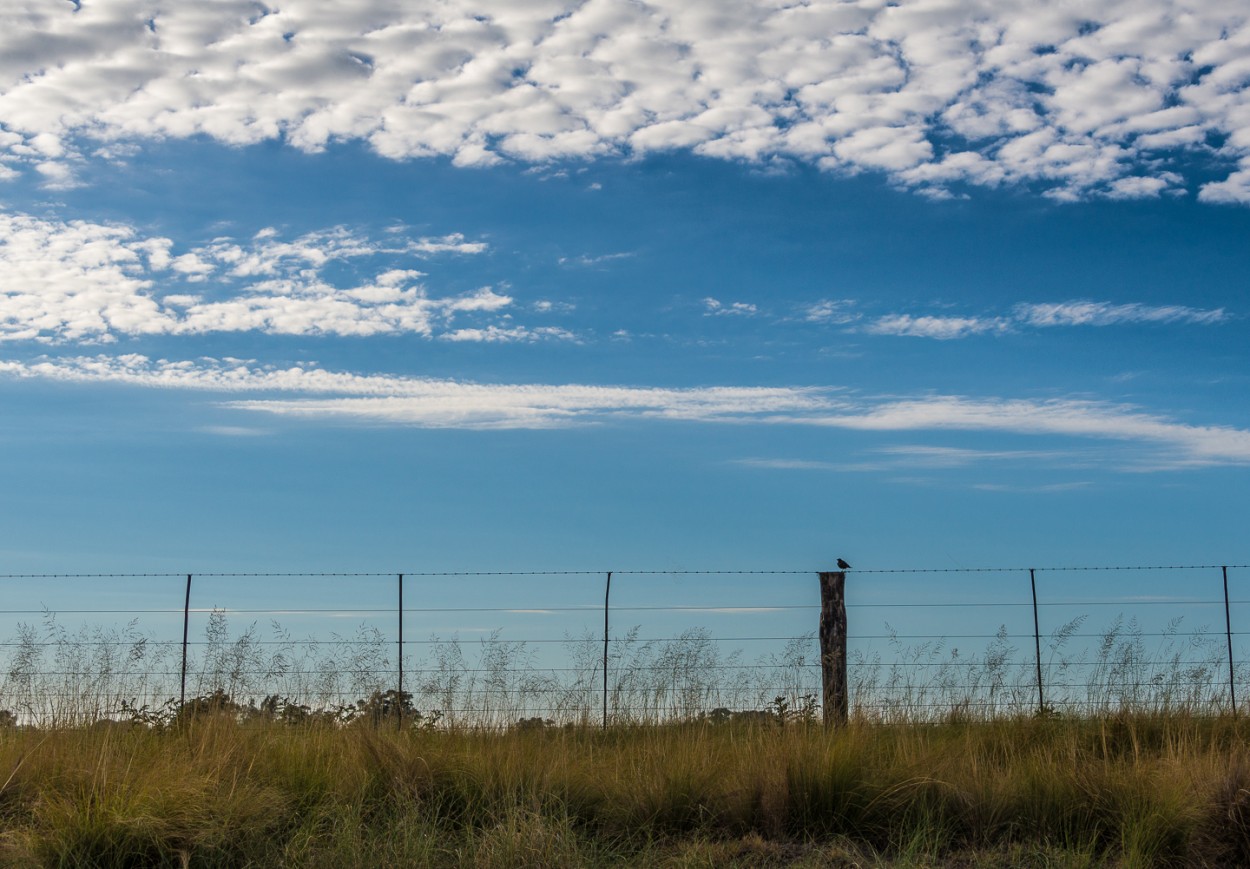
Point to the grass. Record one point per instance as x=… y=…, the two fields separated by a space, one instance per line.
x=709 y=760
x=52 y=676
x=1128 y=790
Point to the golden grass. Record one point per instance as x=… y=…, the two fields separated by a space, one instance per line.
x=1126 y=790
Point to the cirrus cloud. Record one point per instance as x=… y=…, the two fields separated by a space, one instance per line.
x=942 y=328
x=307 y=392
x=1042 y=315
x=1088 y=313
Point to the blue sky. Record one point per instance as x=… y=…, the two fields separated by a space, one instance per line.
x=622 y=286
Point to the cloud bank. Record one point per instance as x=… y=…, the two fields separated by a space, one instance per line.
x=1115 y=99
x=313 y=393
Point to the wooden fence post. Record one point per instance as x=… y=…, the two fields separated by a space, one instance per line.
x=833 y=646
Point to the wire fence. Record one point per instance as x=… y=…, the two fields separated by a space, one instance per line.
x=503 y=649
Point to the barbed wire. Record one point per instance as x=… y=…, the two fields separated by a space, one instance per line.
x=597 y=609
x=649 y=572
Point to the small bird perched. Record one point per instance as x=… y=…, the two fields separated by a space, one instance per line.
x=842 y=565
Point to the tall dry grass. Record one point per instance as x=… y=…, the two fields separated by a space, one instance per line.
x=297 y=753
x=1129 y=790
x=54 y=677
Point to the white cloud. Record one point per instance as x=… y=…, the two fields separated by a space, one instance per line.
x=1087 y=313
x=942 y=328
x=833 y=311
x=588 y=260
x=453 y=243
x=423 y=401
x=715 y=308
x=1078 y=100
x=1235 y=189
x=1036 y=315
x=83 y=281
x=917 y=455
x=499 y=335
x=1139 y=187
x=1187 y=444
x=57 y=175
x=314 y=393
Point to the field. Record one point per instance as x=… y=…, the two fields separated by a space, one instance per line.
x=293 y=752
x=224 y=789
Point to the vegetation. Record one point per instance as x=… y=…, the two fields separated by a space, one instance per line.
x=52 y=676
x=222 y=789
x=298 y=754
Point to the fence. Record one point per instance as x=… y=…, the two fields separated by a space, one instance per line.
x=590 y=647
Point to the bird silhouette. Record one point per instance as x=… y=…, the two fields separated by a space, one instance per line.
x=842 y=565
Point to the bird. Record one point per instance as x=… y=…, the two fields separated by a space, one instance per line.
x=842 y=565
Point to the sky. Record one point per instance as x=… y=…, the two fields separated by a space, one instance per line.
x=696 y=284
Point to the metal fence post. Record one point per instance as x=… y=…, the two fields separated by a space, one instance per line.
x=399 y=680
x=1037 y=645
x=186 y=624
x=607 y=596
x=1228 y=633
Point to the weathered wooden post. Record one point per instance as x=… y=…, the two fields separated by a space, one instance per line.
x=833 y=646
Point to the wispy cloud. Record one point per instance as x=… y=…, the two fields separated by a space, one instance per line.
x=941 y=328
x=429 y=402
x=314 y=393
x=919 y=455
x=498 y=335
x=932 y=93
x=715 y=308
x=1042 y=315
x=1089 y=313
x=1043 y=489
x=1080 y=418
x=833 y=311
x=591 y=260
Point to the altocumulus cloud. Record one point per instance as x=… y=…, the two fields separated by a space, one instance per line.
x=83 y=281
x=1080 y=99
x=315 y=393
